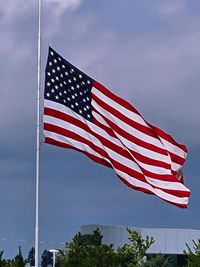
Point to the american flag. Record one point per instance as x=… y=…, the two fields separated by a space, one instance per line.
x=82 y=114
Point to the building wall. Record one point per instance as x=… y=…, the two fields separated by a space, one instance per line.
x=167 y=241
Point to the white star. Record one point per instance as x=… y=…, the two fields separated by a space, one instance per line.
x=52 y=80
x=50 y=63
x=69 y=81
x=87 y=107
x=52 y=90
x=82 y=82
x=61 y=75
x=88 y=115
x=58 y=68
x=59 y=59
x=88 y=81
x=65 y=92
x=73 y=96
x=48 y=84
x=48 y=94
x=72 y=70
x=55 y=61
x=77 y=86
x=63 y=66
x=65 y=82
x=87 y=98
x=80 y=111
x=76 y=104
x=48 y=73
x=80 y=93
x=57 y=78
x=60 y=94
x=72 y=87
x=52 y=53
x=84 y=100
x=74 y=78
x=61 y=85
x=64 y=100
x=80 y=76
x=53 y=71
x=72 y=105
x=56 y=86
x=66 y=73
x=57 y=97
x=68 y=99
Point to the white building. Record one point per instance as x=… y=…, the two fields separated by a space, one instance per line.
x=167 y=241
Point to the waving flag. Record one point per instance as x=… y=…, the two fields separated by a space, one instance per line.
x=82 y=114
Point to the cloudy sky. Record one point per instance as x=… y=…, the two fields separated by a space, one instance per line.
x=145 y=51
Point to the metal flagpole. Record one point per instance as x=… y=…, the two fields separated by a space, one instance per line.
x=38 y=140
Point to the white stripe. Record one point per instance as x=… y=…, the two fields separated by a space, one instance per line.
x=96 y=129
x=126 y=112
x=167 y=185
x=112 y=154
x=129 y=129
x=174 y=149
x=158 y=192
x=137 y=118
x=84 y=147
x=142 y=150
x=73 y=143
x=132 y=146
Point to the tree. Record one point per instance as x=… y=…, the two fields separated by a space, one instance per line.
x=46 y=258
x=19 y=261
x=158 y=260
x=193 y=255
x=133 y=255
x=1 y=254
x=88 y=251
x=31 y=257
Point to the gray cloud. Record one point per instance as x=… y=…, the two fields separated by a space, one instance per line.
x=148 y=53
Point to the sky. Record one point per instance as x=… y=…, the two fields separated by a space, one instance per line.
x=144 y=51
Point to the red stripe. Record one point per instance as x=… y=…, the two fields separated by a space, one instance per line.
x=123 y=118
x=103 y=162
x=64 y=145
x=114 y=97
x=74 y=121
x=137 y=155
x=109 y=144
x=144 y=190
x=116 y=164
x=175 y=158
x=104 y=141
x=134 y=139
x=168 y=138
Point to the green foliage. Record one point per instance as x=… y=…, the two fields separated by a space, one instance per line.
x=158 y=260
x=31 y=257
x=46 y=258
x=88 y=251
x=193 y=255
x=1 y=254
x=19 y=261
x=133 y=255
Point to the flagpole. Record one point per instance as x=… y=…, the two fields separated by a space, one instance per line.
x=38 y=140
